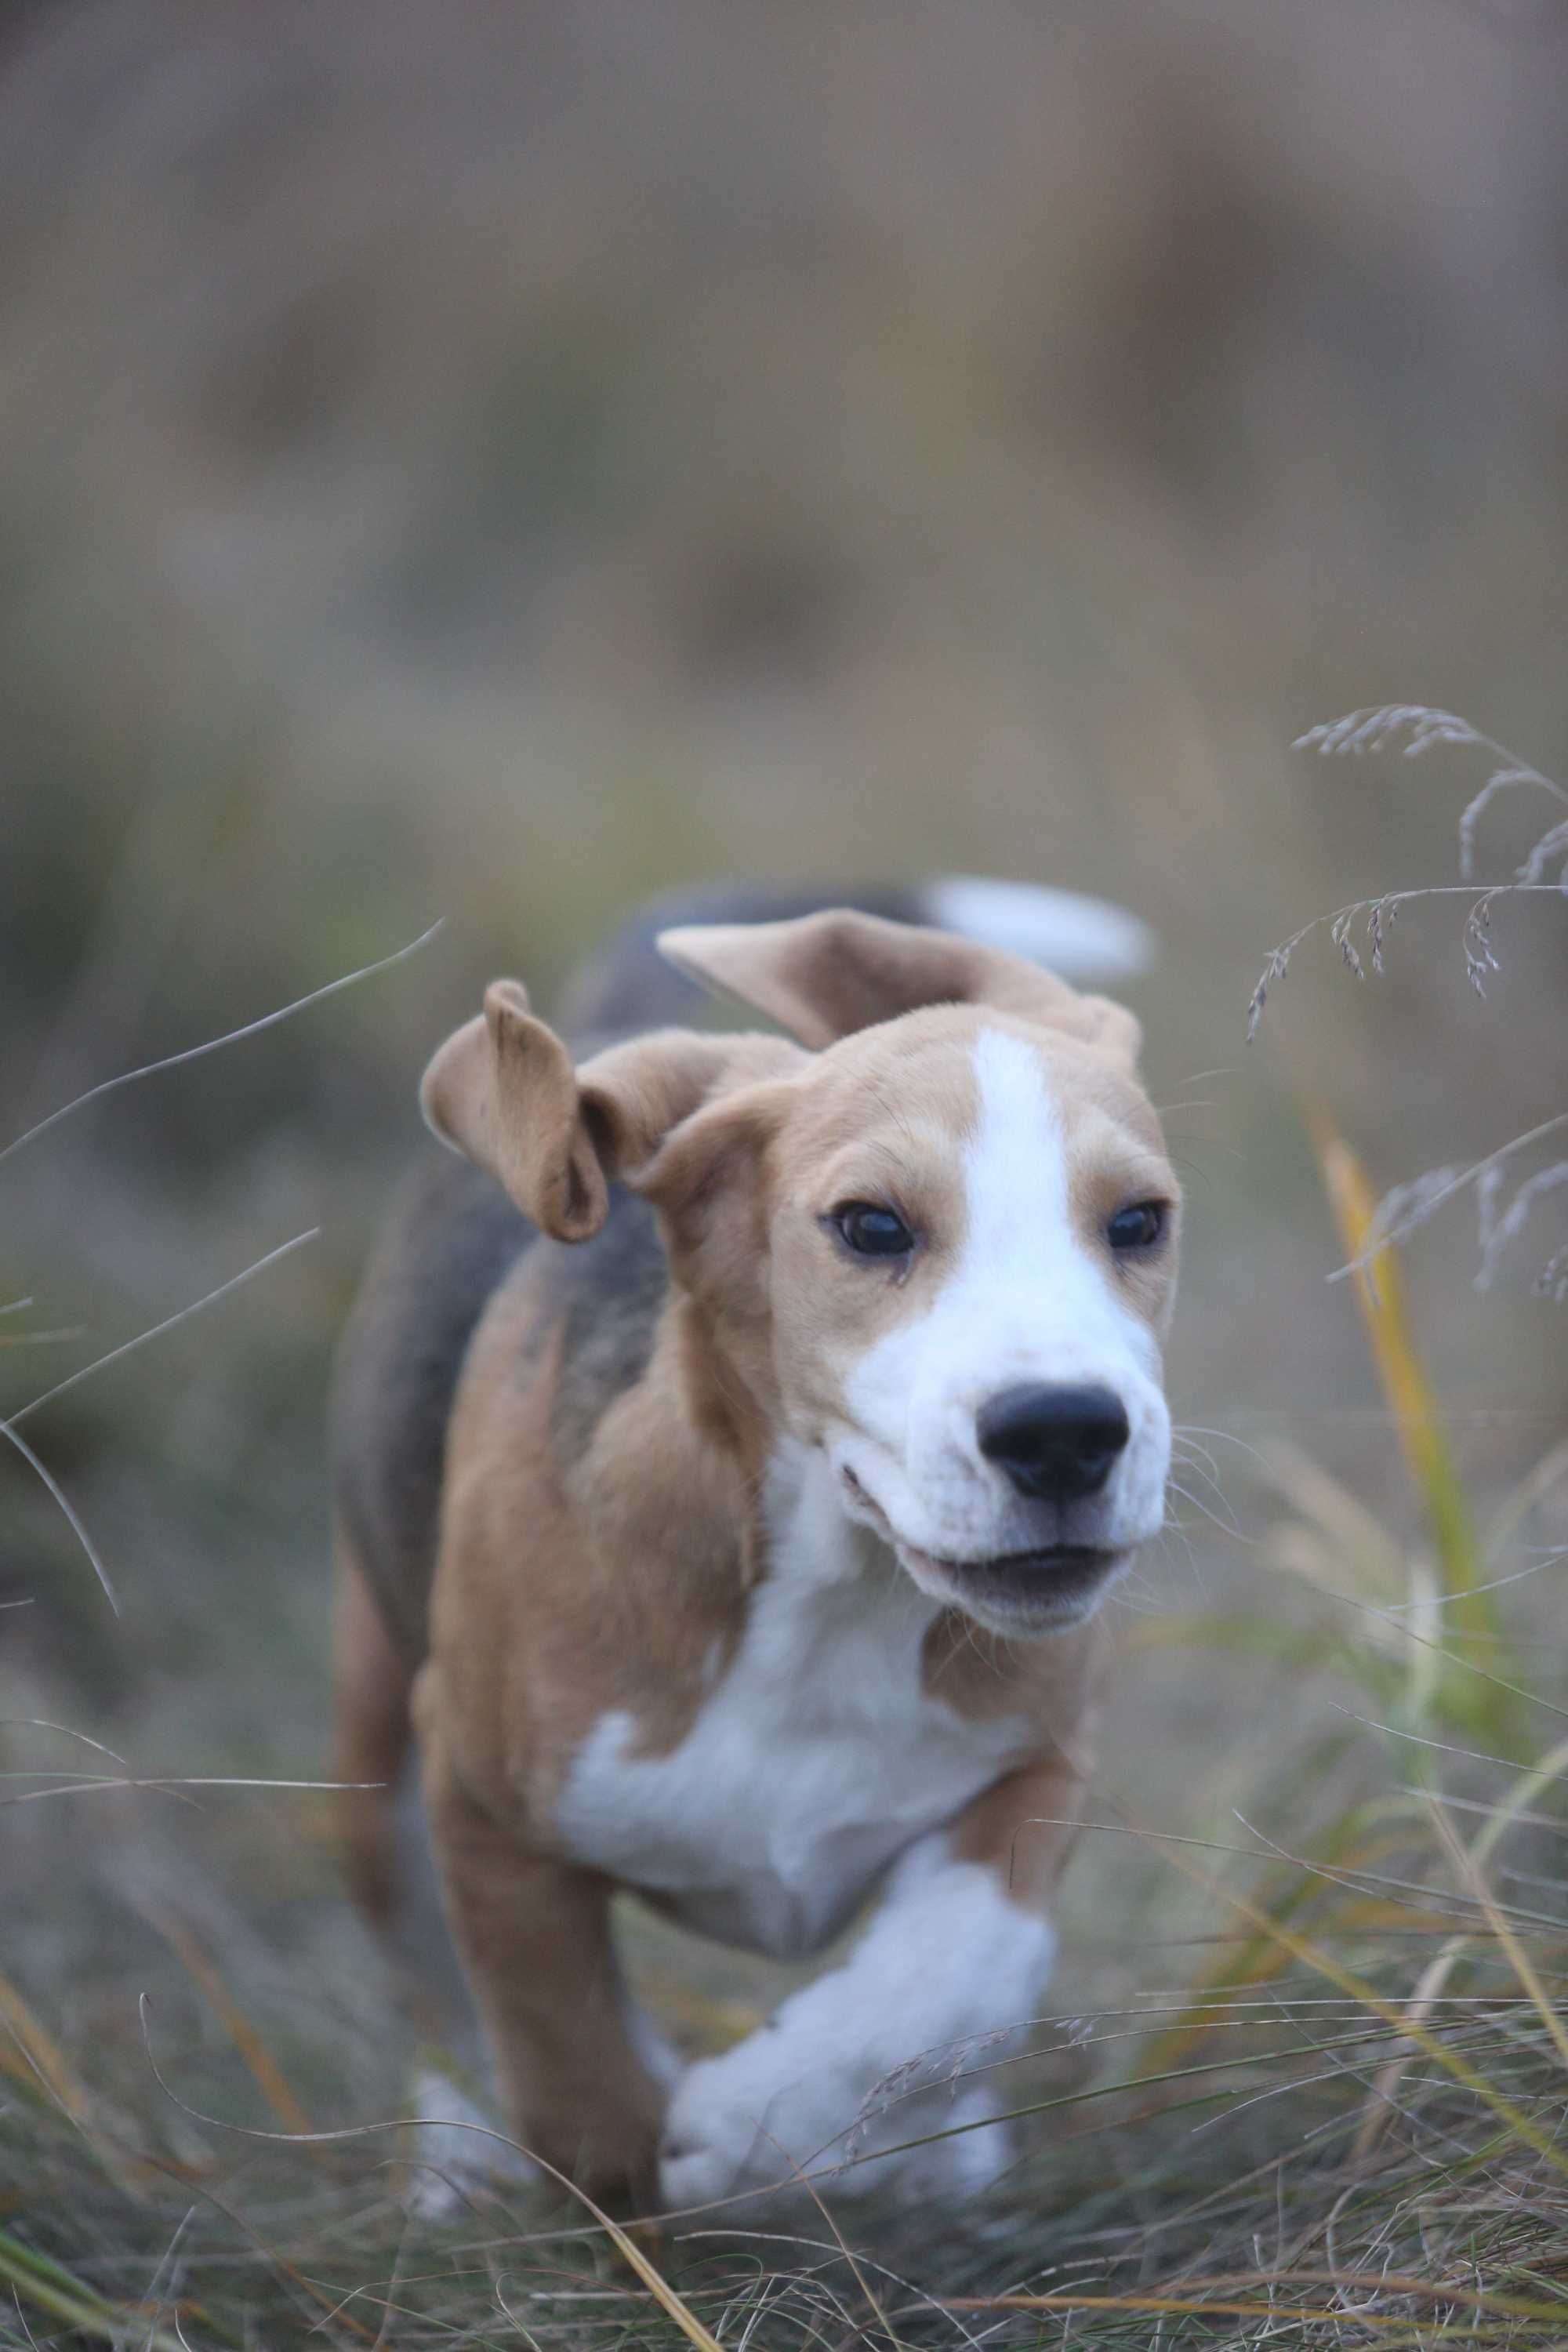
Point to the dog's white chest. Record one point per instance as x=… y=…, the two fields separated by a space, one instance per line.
x=816 y=1758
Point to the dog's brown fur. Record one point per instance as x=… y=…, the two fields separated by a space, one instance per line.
x=600 y=1530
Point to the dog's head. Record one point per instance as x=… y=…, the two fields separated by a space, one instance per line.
x=940 y=1246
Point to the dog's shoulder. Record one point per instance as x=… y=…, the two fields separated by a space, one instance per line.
x=604 y=1298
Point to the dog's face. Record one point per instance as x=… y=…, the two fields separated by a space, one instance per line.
x=972 y=1251
x=941 y=1249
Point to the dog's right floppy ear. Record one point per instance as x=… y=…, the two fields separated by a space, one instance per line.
x=503 y=1091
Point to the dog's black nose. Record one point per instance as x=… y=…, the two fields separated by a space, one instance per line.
x=1056 y=1444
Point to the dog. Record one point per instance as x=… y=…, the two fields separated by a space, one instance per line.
x=732 y=1445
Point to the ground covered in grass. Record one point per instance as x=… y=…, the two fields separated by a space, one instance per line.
x=1308 y=2085
x=1344 y=2184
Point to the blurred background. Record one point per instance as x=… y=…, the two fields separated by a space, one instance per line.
x=493 y=463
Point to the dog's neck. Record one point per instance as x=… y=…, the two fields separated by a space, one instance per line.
x=808 y=1536
x=707 y=1504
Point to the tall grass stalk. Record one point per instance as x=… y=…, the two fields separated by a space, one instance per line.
x=1470 y=1618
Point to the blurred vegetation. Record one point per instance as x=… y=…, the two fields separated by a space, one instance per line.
x=494 y=463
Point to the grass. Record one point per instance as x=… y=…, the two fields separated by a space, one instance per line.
x=1350 y=2135
x=1344 y=2127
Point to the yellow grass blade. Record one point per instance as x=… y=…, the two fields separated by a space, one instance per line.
x=1380 y=1296
x=37 y=2058
x=1518 y=1958
x=1483 y=2300
x=657 y=2285
x=1471 y=1860
x=1259 y=1959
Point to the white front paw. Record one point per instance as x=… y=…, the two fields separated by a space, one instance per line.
x=747 y=2119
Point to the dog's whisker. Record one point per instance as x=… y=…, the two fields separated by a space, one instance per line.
x=1226 y=1527
x=1227 y=1436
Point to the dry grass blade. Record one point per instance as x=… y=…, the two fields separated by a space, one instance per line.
x=804 y=2180
x=1486 y=2301
x=72 y=1521
x=262 y=2066
x=675 y=2306
x=230 y=1037
x=1518 y=1958
x=183 y=1315
x=1380 y=2106
x=41 y=2060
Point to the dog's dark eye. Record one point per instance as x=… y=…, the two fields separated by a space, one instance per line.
x=871 y=1232
x=1137 y=1228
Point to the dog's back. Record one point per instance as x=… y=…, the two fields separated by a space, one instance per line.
x=451 y=1236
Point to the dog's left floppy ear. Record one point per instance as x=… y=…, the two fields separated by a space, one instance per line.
x=503 y=1091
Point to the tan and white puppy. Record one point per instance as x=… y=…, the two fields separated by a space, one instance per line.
x=738 y=1541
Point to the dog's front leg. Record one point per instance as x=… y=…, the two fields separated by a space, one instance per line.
x=534 y=1935
x=957 y=1951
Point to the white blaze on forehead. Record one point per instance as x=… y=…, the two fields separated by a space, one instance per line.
x=1026 y=1273
x=1015 y=1171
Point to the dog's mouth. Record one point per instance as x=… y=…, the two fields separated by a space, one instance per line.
x=1054 y=1586
x=1051 y=1585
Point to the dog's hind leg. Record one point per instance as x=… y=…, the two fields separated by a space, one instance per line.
x=387 y=1857
x=371 y=1730
x=382 y=1829
x=456 y=2147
